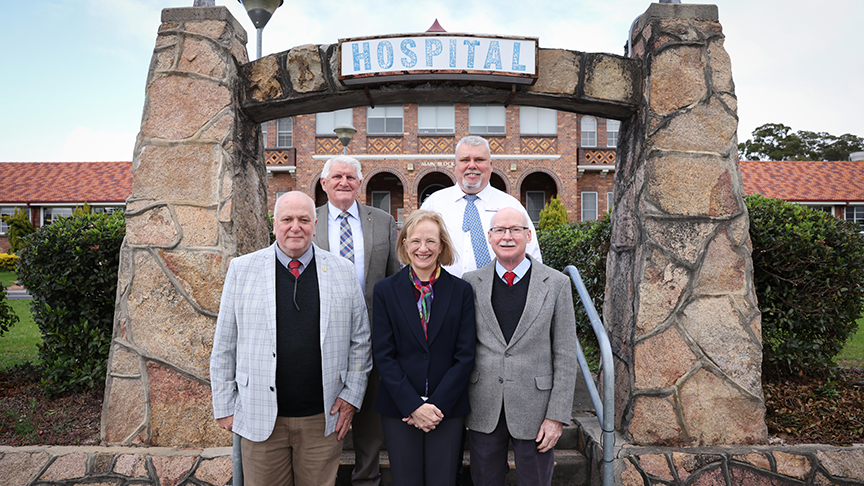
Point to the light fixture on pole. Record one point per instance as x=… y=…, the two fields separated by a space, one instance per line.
x=345 y=134
x=260 y=12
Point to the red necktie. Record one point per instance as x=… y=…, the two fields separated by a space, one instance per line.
x=509 y=276
x=294 y=267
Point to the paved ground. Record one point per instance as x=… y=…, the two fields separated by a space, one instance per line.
x=17 y=292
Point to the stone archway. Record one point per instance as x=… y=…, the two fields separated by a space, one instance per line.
x=680 y=306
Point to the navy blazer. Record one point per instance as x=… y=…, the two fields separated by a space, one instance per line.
x=405 y=358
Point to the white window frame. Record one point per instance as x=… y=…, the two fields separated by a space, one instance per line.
x=481 y=118
x=612 y=129
x=538 y=121
x=588 y=129
x=326 y=121
x=10 y=211
x=285 y=130
x=610 y=198
x=436 y=119
x=589 y=213
x=264 y=133
x=393 y=117
x=380 y=202
x=66 y=210
x=855 y=214
x=530 y=205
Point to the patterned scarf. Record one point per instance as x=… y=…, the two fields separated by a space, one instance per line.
x=424 y=304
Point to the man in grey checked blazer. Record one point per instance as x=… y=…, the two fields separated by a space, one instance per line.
x=521 y=390
x=267 y=355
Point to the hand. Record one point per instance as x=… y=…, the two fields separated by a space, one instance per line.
x=226 y=423
x=425 y=418
x=550 y=432
x=346 y=415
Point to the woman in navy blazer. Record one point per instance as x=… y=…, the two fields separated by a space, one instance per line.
x=423 y=339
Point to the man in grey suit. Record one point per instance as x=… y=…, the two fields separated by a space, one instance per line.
x=367 y=237
x=521 y=390
x=291 y=353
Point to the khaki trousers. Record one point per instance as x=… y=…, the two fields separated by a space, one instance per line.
x=295 y=454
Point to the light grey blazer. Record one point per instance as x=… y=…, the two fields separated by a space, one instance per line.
x=379 y=245
x=534 y=376
x=243 y=361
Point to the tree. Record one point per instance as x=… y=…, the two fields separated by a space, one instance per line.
x=553 y=215
x=774 y=141
x=19 y=227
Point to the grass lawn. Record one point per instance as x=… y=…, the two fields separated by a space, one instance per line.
x=21 y=342
x=853 y=354
x=7 y=278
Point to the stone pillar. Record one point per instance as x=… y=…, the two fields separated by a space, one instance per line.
x=198 y=199
x=680 y=302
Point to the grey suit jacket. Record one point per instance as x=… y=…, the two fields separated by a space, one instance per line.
x=534 y=376
x=379 y=245
x=243 y=361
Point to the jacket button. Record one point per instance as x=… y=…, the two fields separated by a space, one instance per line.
x=506 y=355
x=500 y=380
x=272 y=389
x=274 y=355
x=425 y=355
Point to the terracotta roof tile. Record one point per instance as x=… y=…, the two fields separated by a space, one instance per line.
x=805 y=181
x=56 y=182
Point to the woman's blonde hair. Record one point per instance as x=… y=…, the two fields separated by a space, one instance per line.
x=445 y=257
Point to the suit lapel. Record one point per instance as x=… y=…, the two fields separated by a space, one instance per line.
x=440 y=303
x=537 y=290
x=483 y=301
x=408 y=303
x=366 y=224
x=322 y=260
x=323 y=241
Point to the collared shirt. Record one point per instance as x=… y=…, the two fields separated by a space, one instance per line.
x=520 y=270
x=304 y=258
x=450 y=204
x=333 y=229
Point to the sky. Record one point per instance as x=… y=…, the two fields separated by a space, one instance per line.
x=73 y=72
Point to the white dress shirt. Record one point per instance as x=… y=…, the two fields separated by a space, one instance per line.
x=450 y=204
x=519 y=271
x=333 y=229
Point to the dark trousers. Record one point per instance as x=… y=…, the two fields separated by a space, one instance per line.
x=420 y=458
x=489 y=458
x=368 y=437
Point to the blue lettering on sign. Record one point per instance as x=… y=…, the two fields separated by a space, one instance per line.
x=471 y=46
x=452 y=53
x=433 y=48
x=411 y=60
x=385 y=55
x=516 y=65
x=367 y=62
x=493 y=57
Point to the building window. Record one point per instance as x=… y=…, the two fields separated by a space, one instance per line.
x=108 y=209
x=609 y=200
x=384 y=120
x=436 y=119
x=588 y=127
x=487 y=120
x=327 y=121
x=856 y=214
x=285 y=133
x=51 y=214
x=534 y=202
x=538 y=121
x=9 y=211
x=381 y=200
x=589 y=206
x=612 y=128
x=264 y=133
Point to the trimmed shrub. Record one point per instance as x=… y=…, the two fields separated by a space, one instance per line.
x=553 y=215
x=808 y=270
x=8 y=318
x=8 y=261
x=70 y=269
x=19 y=227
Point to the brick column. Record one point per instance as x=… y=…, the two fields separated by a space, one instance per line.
x=198 y=199
x=680 y=301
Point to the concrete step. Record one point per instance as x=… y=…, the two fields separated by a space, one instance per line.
x=571 y=469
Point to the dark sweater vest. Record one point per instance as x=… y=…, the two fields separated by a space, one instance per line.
x=299 y=391
x=509 y=302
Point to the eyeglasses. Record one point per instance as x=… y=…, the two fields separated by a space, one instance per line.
x=514 y=230
x=415 y=243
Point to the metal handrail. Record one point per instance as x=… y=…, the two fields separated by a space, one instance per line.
x=604 y=409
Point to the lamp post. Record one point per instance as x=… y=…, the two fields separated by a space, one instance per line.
x=345 y=134
x=260 y=12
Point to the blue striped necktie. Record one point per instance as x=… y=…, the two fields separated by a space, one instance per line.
x=346 y=241
x=471 y=222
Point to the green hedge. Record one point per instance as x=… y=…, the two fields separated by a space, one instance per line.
x=808 y=270
x=70 y=269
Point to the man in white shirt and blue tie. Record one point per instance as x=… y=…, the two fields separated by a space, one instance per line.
x=468 y=206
